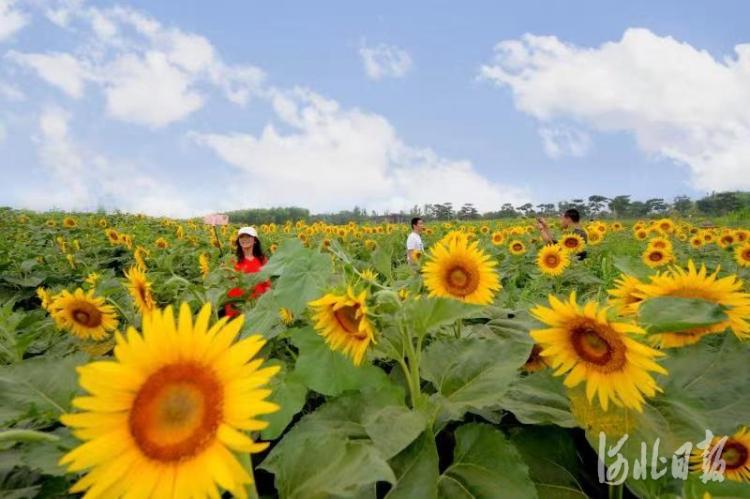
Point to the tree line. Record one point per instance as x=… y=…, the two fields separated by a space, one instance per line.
x=595 y=206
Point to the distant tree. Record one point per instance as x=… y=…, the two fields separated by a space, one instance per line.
x=545 y=209
x=682 y=205
x=637 y=209
x=468 y=212
x=619 y=205
x=656 y=206
x=596 y=204
x=526 y=209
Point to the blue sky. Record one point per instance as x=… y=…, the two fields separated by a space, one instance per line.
x=186 y=107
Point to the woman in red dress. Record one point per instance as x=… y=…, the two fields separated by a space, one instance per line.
x=250 y=259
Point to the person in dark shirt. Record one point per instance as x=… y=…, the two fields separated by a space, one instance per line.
x=570 y=220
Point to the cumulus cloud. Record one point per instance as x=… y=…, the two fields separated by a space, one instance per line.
x=560 y=141
x=12 y=19
x=77 y=177
x=59 y=69
x=678 y=101
x=337 y=158
x=385 y=61
x=150 y=74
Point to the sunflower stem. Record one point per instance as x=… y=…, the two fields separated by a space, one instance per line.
x=459 y=323
x=615 y=491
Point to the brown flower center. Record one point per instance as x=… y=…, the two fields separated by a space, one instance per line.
x=735 y=455
x=461 y=281
x=347 y=319
x=177 y=412
x=656 y=256
x=87 y=315
x=551 y=260
x=598 y=345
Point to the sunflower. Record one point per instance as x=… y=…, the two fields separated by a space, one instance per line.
x=342 y=320
x=654 y=257
x=161 y=243
x=661 y=243
x=273 y=248
x=572 y=242
x=641 y=234
x=584 y=343
x=203 y=264
x=742 y=255
x=498 y=237
x=416 y=256
x=369 y=275
x=595 y=238
x=516 y=247
x=69 y=222
x=624 y=297
x=552 y=259
x=741 y=235
x=51 y=223
x=696 y=241
x=139 y=255
x=165 y=417
x=139 y=288
x=103 y=223
x=666 y=225
x=733 y=450
x=286 y=316
x=459 y=269
x=370 y=245
x=726 y=241
x=44 y=297
x=83 y=314
x=92 y=279
x=535 y=362
x=112 y=236
x=693 y=283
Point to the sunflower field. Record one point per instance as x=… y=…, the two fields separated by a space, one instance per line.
x=496 y=366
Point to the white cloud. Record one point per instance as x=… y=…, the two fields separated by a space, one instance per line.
x=337 y=158
x=559 y=141
x=12 y=20
x=150 y=74
x=11 y=92
x=149 y=91
x=385 y=61
x=79 y=178
x=678 y=101
x=59 y=69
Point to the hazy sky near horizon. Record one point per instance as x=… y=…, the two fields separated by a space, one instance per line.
x=183 y=108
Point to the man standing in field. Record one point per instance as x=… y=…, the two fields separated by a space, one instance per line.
x=570 y=220
x=414 y=246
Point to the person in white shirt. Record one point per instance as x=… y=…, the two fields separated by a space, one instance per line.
x=414 y=241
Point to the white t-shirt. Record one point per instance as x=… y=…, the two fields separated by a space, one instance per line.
x=413 y=242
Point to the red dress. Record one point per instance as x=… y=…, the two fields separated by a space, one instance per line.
x=248 y=267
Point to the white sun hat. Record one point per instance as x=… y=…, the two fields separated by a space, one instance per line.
x=250 y=231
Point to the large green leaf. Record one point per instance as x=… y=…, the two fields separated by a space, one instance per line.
x=382 y=261
x=289 y=393
x=416 y=469
x=263 y=318
x=39 y=389
x=632 y=266
x=671 y=314
x=472 y=373
x=328 y=372
x=552 y=458
x=303 y=280
x=485 y=465
x=344 y=445
x=539 y=398
x=427 y=314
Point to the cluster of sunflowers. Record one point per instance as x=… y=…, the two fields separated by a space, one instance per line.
x=174 y=399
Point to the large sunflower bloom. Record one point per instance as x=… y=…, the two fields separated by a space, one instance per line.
x=516 y=247
x=458 y=269
x=552 y=260
x=163 y=417
x=572 y=242
x=656 y=257
x=693 y=283
x=624 y=297
x=735 y=452
x=584 y=343
x=139 y=288
x=83 y=314
x=342 y=320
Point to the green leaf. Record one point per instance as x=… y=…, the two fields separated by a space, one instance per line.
x=343 y=446
x=485 y=465
x=39 y=389
x=289 y=251
x=552 y=458
x=632 y=266
x=694 y=488
x=427 y=314
x=539 y=398
x=263 y=318
x=416 y=469
x=303 y=280
x=290 y=395
x=670 y=314
x=381 y=259
x=472 y=373
x=328 y=372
